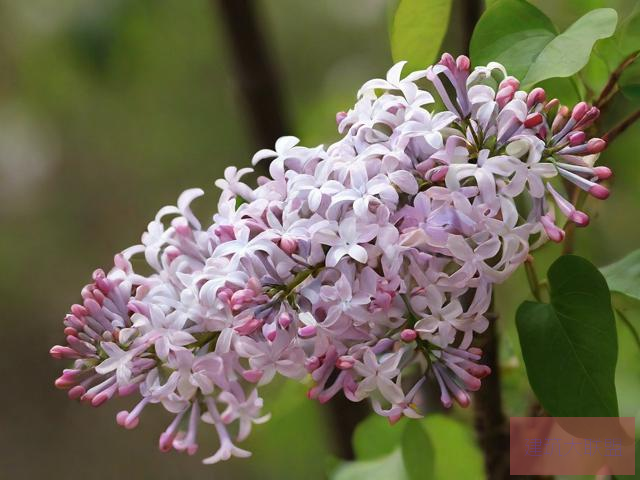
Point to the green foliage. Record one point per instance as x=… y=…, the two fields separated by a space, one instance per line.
x=629 y=33
x=382 y=468
x=630 y=82
x=623 y=277
x=570 y=345
x=523 y=39
x=375 y=437
x=417 y=31
x=611 y=52
x=418 y=455
x=453 y=436
x=513 y=33
x=567 y=53
x=422 y=446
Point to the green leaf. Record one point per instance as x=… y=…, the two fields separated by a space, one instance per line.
x=513 y=33
x=569 y=52
x=570 y=345
x=418 y=29
x=564 y=89
x=374 y=437
x=523 y=39
x=376 y=444
x=384 y=468
x=623 y=276
x=453 y=436
x=629 y=34
x=630 y=81
x=417 y=452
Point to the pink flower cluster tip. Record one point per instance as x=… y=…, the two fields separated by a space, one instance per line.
x=364 y=267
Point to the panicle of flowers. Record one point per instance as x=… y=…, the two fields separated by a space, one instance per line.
x=366 y=266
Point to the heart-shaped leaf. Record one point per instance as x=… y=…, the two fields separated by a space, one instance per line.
x=525 y=41
x=417 y=31
x=570 y=345
x=513 y=33
x=417 y=452
x=569 y=52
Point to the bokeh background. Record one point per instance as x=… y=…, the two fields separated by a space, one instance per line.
x=108 y=110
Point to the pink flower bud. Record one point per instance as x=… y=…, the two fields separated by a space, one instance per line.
x=165 y=441
x=345 y=362
x=596 y=145
x=307 y=331
x=252 y=376
x=76 y=392
x=463 y=62
x=599 y=192
x=554 y=233
x=511 y=82
x=576 y=138
x=579 y=111
x=340 y=116
x=533 y=120
x=249 y=326
x=408 y=335
x=581 y=219
x=284 y=320
x=537 y=95
x=602 y=172
x=551 y=104
x=288 y=245
x=312 y=363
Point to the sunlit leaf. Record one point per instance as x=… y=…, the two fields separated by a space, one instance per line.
x=513 y=33
x=570 y=345
x=417 y=452
x=448 y=436
x=374 y=437
x=418 y=29
x=424 y=446
x=569 y=52
x=525 y=41
x=383 y=468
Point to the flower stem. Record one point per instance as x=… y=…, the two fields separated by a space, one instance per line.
x=532 y=278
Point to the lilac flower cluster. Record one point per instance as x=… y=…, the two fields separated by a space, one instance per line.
x=366 y=265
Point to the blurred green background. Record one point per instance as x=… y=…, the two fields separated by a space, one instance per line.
x=108 y=110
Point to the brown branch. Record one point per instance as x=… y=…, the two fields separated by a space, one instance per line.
x=471 y=11
x=491 y=425
x=621 y=127
x=609 y=89
x=255 y=74
x=259 y=89
x=490 y=421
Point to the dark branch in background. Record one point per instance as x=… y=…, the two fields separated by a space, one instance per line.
x=612 y=85
x=471 y=11
x=255 y=74
x=490 y=422
x=259 y=88
x=621 y=127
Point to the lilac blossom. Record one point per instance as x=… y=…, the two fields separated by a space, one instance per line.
x=365 y=267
